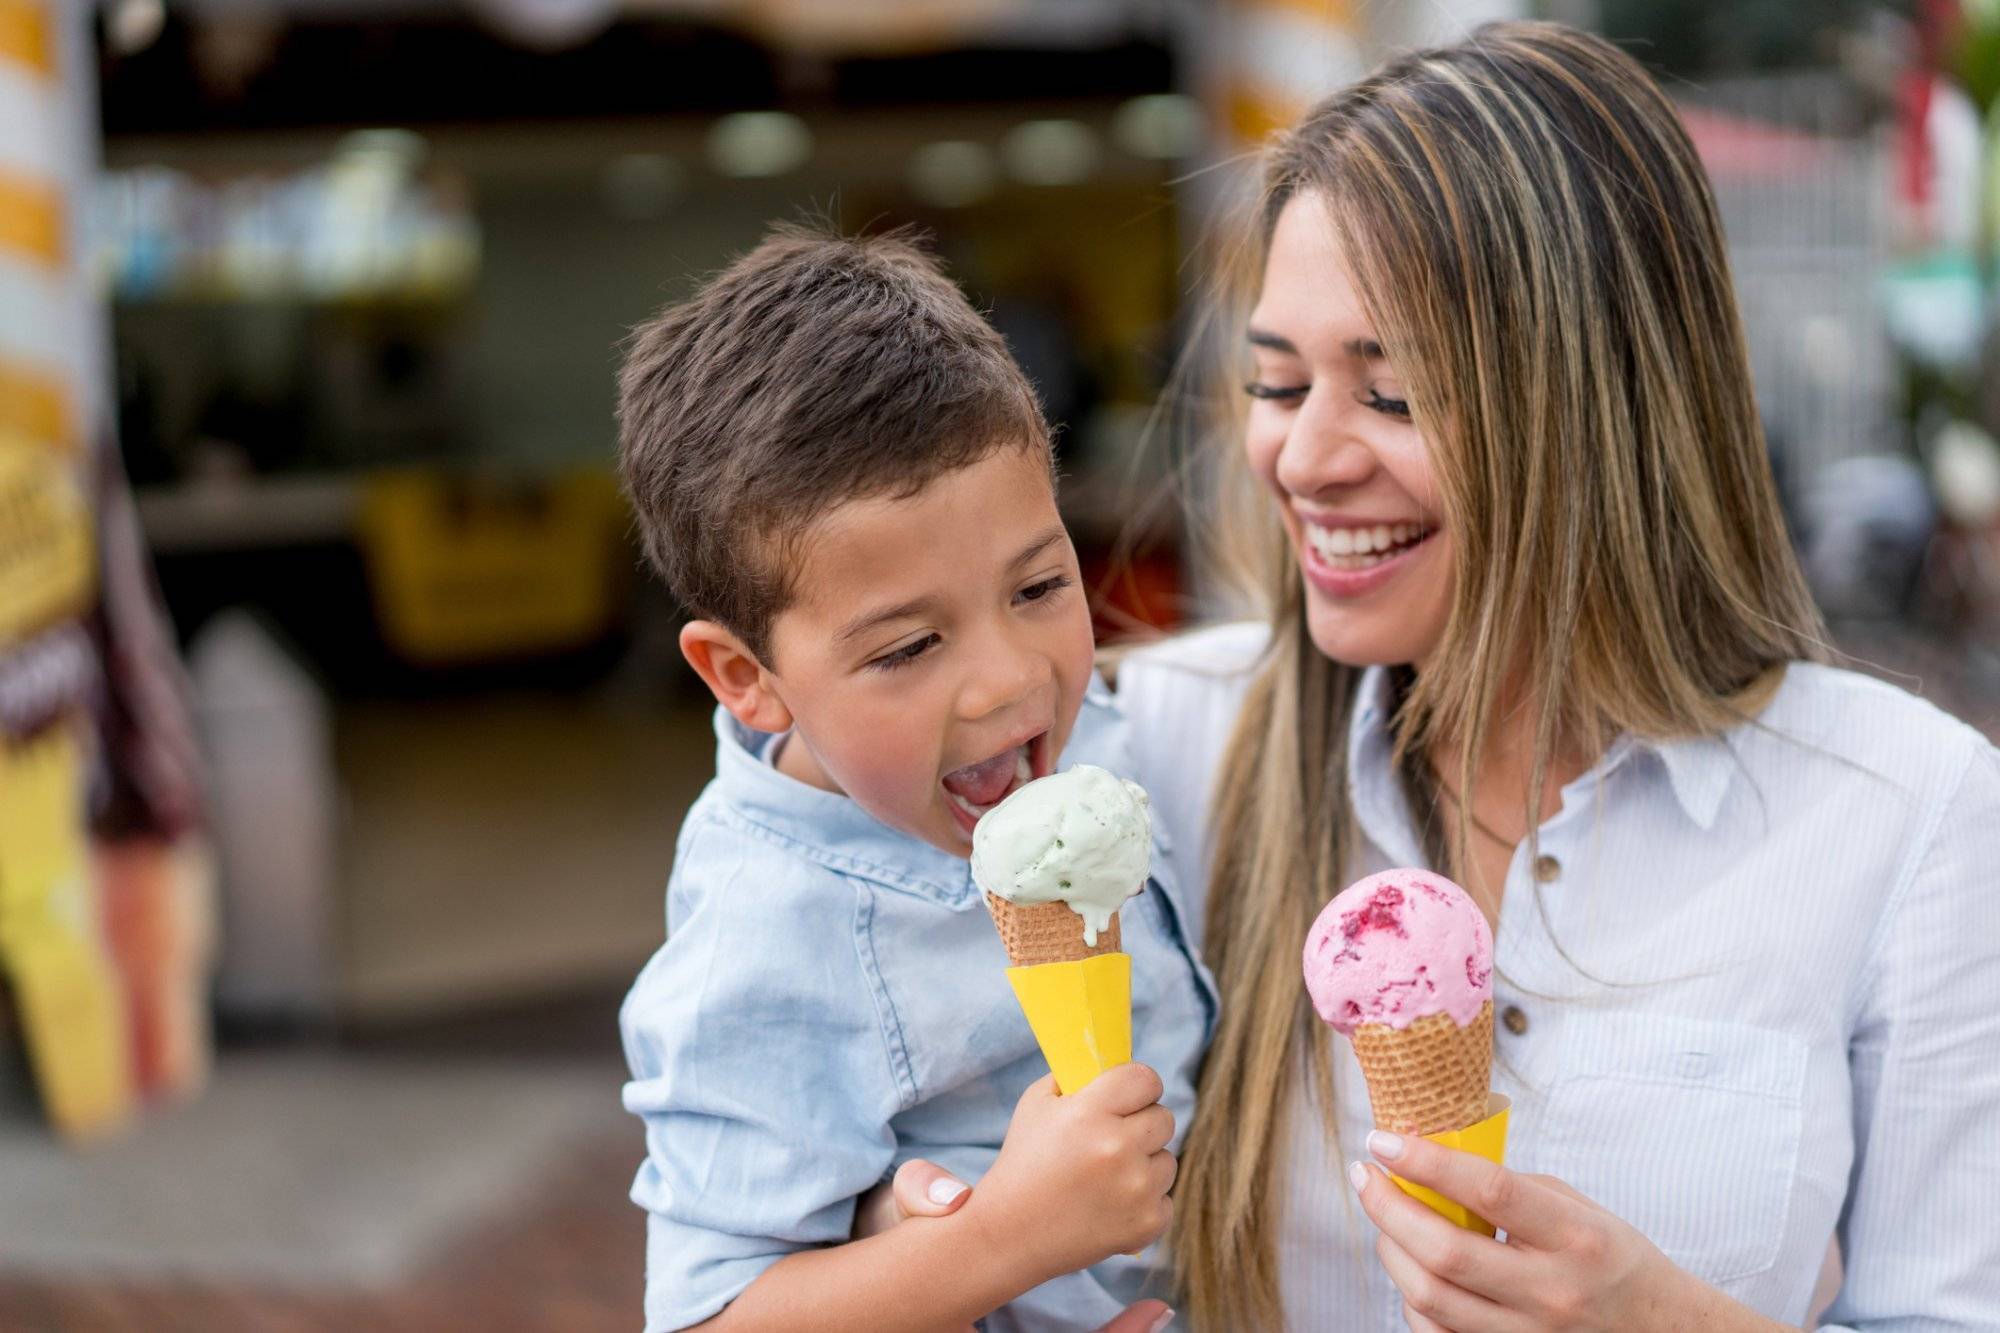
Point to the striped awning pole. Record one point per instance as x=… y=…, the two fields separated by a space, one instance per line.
x=52 y=948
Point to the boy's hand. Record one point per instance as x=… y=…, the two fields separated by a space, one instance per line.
x=924 y=1189
x=1080 y=1178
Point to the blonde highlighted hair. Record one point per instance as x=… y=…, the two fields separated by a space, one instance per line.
x=1535 y=242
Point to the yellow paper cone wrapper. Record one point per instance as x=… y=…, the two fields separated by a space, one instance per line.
x=1081 y=1014
x=1487 y=1138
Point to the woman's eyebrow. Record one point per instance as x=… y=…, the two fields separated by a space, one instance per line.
x=1365 y=349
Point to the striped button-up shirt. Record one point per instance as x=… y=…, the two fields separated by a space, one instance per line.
x=1748 y=995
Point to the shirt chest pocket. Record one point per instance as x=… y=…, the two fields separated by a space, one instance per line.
x=1687 y=1129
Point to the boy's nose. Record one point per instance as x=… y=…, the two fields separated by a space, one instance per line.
x=1008 y=674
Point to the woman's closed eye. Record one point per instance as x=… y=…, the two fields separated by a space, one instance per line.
x=1375 y=399
x=1369 y=397
x=903 y=656
x=1278 y=393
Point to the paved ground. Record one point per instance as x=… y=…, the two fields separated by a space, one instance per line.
x=570 y=1263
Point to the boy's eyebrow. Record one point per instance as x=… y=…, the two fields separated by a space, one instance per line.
x=1041 y=544
x=868 y=620
x=916 y=606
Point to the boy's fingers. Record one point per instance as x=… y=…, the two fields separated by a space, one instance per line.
x=1124 y=1089
x=925 y=1189
x=1153 y=1128
x=1165 y=1168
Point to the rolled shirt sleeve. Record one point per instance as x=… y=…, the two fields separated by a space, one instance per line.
x=766 y=1087
x=1918 y=1237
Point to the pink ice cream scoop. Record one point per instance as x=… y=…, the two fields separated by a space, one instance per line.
x=1395 y=947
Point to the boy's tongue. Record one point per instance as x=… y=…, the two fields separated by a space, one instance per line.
x=985 y=782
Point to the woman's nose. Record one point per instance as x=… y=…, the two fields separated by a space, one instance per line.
x=1321 y=451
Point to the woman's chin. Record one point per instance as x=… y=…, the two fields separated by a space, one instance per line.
x=1361 y=640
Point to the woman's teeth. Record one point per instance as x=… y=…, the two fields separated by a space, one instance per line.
x=1358 y=548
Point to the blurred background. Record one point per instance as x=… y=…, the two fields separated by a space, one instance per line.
x=343 y=741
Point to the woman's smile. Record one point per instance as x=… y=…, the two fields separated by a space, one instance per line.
x=1352 y=557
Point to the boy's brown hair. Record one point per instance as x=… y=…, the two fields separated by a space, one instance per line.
x=813 y=371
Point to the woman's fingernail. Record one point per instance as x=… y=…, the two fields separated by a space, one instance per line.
x=1357 y=1176
x=944 y=1189
x=1385 y=1145
x=1163 y=1321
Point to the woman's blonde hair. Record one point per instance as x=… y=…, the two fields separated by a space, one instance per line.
x=1531 y=234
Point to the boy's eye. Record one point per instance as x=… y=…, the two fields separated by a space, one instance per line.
x=1398 y=408
x=905 y=655
x=1276 y=392
x=1035 y=592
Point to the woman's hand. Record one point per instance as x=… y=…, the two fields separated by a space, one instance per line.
x=1567 y=1265
x=918 y=1189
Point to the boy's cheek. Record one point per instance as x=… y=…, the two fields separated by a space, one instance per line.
x=1078 y=665
x=884 y=775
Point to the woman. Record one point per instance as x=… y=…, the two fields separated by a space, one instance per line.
x=1534 y=621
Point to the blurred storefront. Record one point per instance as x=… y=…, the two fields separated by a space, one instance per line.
x=369 y=266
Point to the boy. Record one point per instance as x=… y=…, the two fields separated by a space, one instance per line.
x=843 y=475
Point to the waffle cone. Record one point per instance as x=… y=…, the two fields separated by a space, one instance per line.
x=1046 y=933
x=1429 y=1077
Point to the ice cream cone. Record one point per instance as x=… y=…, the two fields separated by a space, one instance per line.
x=1057 y=860
x=1077 y=997
x=1046 y=933
x=1402 y=963
x=1430 y=1077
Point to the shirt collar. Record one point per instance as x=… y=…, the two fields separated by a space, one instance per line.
x=1698 y=769
x=828 y=827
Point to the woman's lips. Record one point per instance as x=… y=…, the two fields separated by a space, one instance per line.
x=1337 y=580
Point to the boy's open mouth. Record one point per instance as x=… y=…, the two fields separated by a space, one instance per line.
x=976 y=788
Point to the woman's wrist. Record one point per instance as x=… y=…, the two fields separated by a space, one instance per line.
x=1693 y=1304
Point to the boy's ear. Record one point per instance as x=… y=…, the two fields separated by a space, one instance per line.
x=734 y=676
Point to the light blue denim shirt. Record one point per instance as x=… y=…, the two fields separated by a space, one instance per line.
x=832 y=1001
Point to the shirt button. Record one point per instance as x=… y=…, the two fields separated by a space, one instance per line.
x=1547 y=869
x=1514 y=1020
